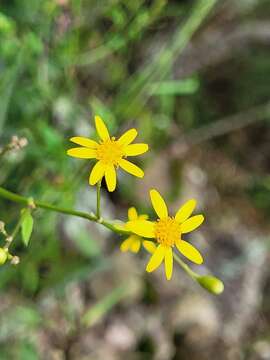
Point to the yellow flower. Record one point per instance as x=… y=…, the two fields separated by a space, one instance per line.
x=110 y=153
x=133 y=242
x=167 y=231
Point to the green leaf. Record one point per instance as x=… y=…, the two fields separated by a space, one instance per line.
x=27 y=226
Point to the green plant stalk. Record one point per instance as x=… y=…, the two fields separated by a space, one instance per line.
x=185 y=267
x=39 y=204
x=98 y=199
x=207 y=284
x=16 y=229
x=4 y=150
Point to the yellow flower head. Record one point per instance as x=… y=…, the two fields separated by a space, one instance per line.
x=110 y=153
x=167 y=231
x=134 y=242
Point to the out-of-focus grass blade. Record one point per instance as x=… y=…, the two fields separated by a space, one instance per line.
x=7 y=83
x=178 y=87
x=99 y=108
x=133 y=95
x=133 y=29
x=96 y=312
x=60 y=278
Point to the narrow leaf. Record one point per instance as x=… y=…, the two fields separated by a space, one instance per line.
x=27 y=226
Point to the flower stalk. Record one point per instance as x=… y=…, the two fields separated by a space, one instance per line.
x=98 y=199
x=40 y=204
x=210 y=283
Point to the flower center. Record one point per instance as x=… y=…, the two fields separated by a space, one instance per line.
x=167 y=231
x=110 y=152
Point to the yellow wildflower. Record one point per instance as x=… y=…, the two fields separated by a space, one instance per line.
x=167 y=231
x=110 y=153
x=133 y=242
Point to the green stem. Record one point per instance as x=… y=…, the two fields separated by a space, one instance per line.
x=39 y=204
x=15 y=231
x=98 y=199
x=5 y=149
x=185 y=267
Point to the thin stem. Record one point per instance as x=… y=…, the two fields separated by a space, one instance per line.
x=39 y=204
x=185 y=267
x=17 y=227
x=9 y=239
x=98 y=199
x=4 y=150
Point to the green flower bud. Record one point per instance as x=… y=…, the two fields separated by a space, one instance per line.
x=211 y=283
x=3 y=256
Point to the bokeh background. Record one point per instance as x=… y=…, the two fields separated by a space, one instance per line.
x=193 y=77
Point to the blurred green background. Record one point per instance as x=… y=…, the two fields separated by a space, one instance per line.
x=193 y=78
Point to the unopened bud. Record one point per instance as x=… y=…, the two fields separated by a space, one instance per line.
x=211 y=283
x=14 y=143
x=3 y=256
x=22 y=142
x=15 y=260
x=18 y=143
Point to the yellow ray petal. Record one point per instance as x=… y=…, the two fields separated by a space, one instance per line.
x=97 y=173
x=101 y=128
x=149 y=246
x=143 y=217
x=159 y=204
x=131 y=168
x=185 y=211
x=192 y=223
x=82 y=153
x=84 y=142
x=110 y=176
x=128 y=137
x=142 y=228
x=168 y=263
x=132 y=214
x=189 y=251
x=125 y=246
x=136 y=149
x=156 y=259
x=135 y=245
